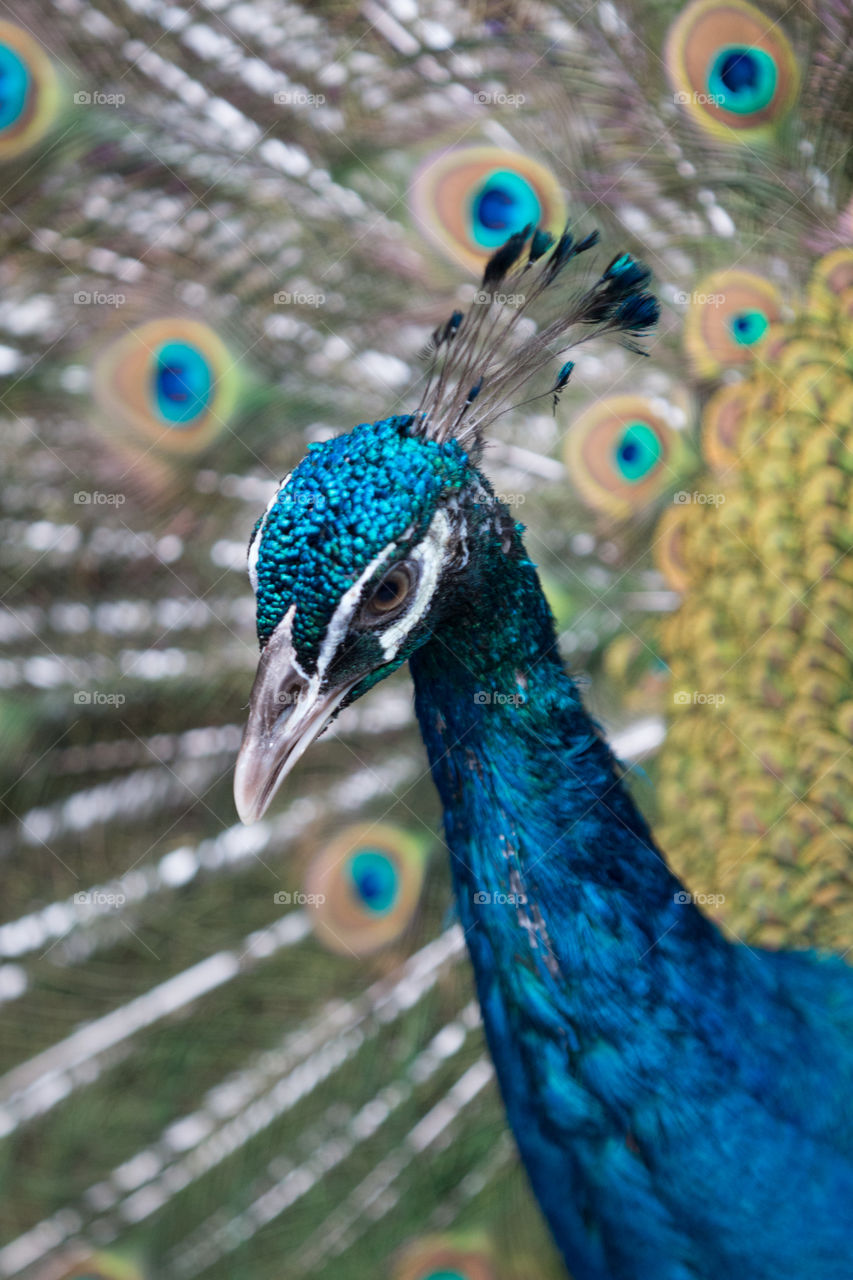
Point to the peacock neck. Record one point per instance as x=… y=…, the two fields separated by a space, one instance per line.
x=513 y=750
x=587 y=954
x=537 y=816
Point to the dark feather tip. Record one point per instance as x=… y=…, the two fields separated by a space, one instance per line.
x=637 y=313
x=540 y=244
x=452 y=326
x=562 y=379
x=505 y=257
x=567 y=248
x=564 y=375
x=625 y=274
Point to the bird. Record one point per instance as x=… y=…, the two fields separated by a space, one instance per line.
x=227 y=233
x=598 y=977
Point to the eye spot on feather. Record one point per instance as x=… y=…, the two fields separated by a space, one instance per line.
x=470 y=200
x=446 y=1257
x=29 y=91
x=622 y=453
x=728 y=319
x=363 y=888
x=733 y=69
x=170 y=384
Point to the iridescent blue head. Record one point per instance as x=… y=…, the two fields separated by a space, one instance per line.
x=348 y=566
x=366 y=544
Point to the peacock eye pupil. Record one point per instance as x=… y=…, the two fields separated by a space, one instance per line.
x=742 y=79
x=739 y=71
x=748 y=327
x=495 y=209
x=503 y=204
x=183 y=383
x=375 y=879
x=637 y=451
x=14 y=86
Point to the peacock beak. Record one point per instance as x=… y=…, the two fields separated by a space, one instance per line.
x=287 y=712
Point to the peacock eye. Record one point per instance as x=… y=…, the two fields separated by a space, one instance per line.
x=389 y=594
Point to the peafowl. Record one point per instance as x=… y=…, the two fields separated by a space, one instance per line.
x=598 y=977
x=226 y=227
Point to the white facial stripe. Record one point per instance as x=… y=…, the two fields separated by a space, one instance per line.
x=255 y=545
x=430 y=555
x=347 y=605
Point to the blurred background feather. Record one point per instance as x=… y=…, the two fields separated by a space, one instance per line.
x=227 y=231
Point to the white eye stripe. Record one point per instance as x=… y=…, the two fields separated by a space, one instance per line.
x=347 y=605
x=430 y=555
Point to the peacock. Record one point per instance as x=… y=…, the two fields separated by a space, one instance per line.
x=597 y=975
x=228 y=231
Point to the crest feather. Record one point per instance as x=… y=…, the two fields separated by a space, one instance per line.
x=482 y=359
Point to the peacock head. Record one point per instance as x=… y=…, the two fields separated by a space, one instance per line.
x=349 y=567
x=367 y=544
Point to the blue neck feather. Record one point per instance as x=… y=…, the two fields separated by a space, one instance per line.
x=606 y=995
